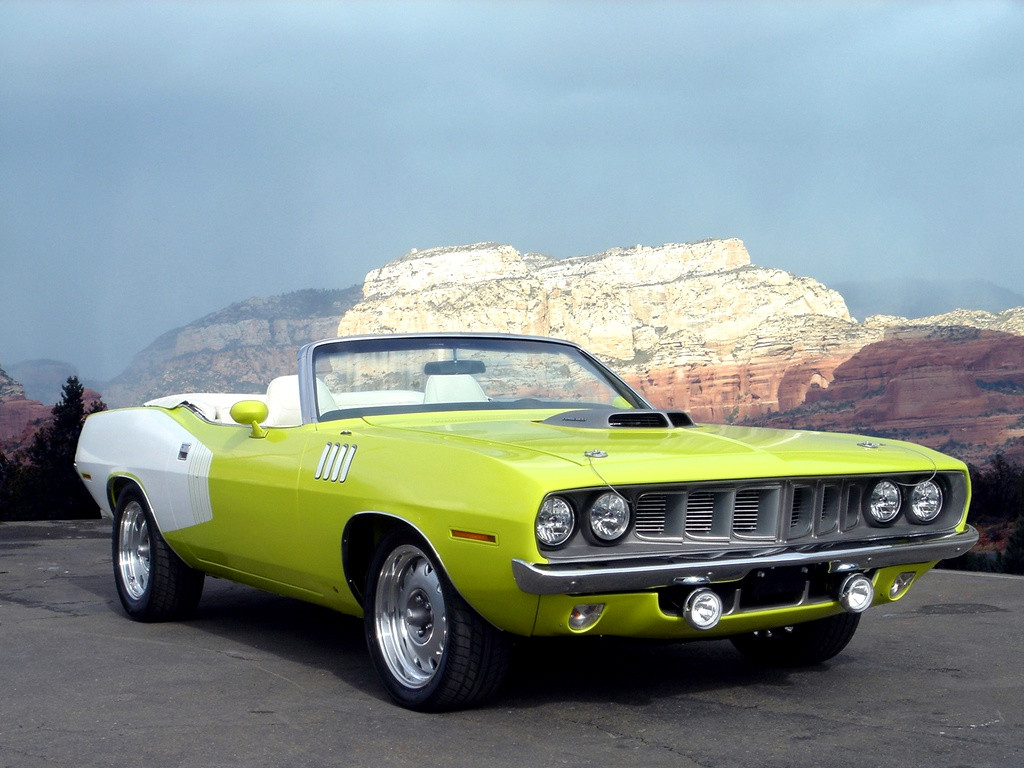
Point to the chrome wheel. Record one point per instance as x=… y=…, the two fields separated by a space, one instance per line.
x=153 y=583
x=410 y=618
x=433 y=652
x=133 y=557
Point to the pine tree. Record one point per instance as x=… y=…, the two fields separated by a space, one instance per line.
x=47 y=486
x=8 y=470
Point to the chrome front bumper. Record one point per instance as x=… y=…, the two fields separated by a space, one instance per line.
x=650 y=573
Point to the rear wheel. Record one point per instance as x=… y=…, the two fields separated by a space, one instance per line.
x=153 y=583
x=800 y=644
x=432 y=651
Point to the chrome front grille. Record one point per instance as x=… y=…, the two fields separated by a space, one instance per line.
x=650 y=515
x=831 y=496
x=778 y=511
x=745 y=512
x=700 y=513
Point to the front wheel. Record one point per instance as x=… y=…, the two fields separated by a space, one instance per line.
x=800 y=644
x=432 y=651
x=153 y=583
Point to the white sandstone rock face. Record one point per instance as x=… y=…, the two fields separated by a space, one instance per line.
x=686 y=303
x=1009 y=321
x=422 y=270
x=9 y=388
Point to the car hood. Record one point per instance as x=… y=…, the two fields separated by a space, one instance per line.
x=672 y=454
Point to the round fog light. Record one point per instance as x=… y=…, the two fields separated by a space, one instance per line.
x=703 y=609
x=857 y=593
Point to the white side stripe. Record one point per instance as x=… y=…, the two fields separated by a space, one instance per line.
x=199 y=460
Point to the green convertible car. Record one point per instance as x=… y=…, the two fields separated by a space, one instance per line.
x=458 y=490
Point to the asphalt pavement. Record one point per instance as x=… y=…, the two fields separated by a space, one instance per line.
x=934 y=680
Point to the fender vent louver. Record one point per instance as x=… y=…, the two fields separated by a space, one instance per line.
x=335 y=462
x=632 y=419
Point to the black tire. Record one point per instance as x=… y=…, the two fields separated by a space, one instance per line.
x=801 y=644
x=153 y=583
x=431 y=650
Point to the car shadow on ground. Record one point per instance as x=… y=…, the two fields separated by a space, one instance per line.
x=630 y=671
x=300 y=632
x=542 y=670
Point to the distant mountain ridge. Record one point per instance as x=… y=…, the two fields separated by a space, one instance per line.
x=924 y=297
x=18 y=415
x=236 y=349
x=42 y=380
x=9 y=388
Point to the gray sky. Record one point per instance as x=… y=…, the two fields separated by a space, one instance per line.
x=159 y=161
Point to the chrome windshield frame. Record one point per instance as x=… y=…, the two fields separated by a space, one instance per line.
x=308 y=353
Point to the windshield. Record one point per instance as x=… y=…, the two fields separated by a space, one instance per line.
x=410 y=374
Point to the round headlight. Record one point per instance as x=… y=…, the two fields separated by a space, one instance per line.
x=884 y=504
x=555 y=521
x=925 y=502
x=609 y=516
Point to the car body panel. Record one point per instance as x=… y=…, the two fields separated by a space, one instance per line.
x=278 y=507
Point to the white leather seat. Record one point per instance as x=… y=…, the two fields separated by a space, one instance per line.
x=325 y=402
x=453 y=388
x=283 y=402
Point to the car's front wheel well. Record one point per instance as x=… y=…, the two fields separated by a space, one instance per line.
x=115 y=485
x=358 y=543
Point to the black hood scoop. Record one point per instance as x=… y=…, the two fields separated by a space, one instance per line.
x=600 y=418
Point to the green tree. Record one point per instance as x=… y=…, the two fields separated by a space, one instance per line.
x=8 y=470
x=997 y=491
x=45 y=484
x=997 y=498
x=1011 y=559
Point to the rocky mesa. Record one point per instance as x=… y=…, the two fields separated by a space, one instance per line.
x=18 y=415
x=237 y=349
x=697 y=326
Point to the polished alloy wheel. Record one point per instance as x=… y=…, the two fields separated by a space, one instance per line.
x=134 y=550
x=409 y=612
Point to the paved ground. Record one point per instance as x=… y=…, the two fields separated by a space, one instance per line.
x=255 y=680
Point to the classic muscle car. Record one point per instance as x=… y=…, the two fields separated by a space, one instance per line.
x=457 y=490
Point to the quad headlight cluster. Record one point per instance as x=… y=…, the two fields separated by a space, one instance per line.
x=606 y=519
x=922 y=502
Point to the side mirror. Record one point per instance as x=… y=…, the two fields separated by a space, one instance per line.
x=251 y=412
